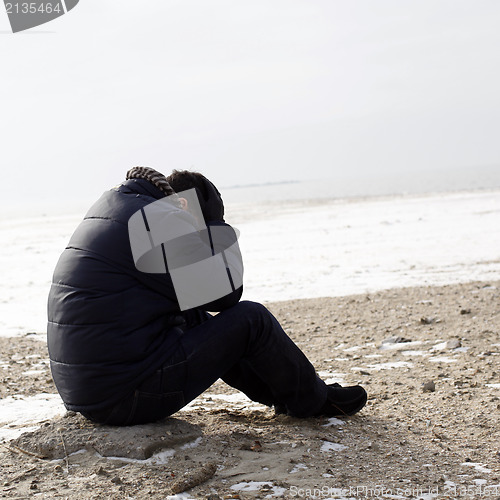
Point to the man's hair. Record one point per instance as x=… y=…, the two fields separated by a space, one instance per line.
x=209 y=197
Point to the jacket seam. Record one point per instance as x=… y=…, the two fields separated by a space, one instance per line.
x=92 y=217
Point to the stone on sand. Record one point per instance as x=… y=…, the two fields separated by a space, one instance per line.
x=71 y=433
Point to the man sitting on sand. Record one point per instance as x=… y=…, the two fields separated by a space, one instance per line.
x=122 y=349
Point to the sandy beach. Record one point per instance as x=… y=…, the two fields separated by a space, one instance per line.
x=428 y=357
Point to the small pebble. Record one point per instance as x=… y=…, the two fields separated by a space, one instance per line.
x=429 y=386
x=392 y=340
x=101 y=472
x=395 y=339
x=453 y=344
x=427 y=321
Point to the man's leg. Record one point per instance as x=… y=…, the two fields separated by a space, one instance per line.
x=246 y=347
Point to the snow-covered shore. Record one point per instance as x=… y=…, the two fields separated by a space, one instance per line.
x=299 y=249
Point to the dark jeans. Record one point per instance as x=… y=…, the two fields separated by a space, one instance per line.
x=246 y=347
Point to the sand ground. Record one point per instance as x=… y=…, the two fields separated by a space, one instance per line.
x=428 y=357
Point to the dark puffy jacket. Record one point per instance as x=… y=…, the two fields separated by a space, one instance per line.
x=110 y=325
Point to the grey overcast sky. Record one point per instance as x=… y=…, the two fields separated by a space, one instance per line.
x=247 y=91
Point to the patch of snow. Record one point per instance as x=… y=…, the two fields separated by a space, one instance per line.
x=160 y=458
x=257 y=486
x=440 y=347
x=385 y=366
x=353 y=348
x=334 y=421
x=298 y=468
x=19 y=414
x=180 y=496
x=330 y=377
x=239 y=400
x=442 y=359
x=398 y=346
x=192 y=444
x=479 y=467
x=453 y=245
x=328 y=446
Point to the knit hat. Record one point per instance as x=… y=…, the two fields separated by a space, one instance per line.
x=153 y=176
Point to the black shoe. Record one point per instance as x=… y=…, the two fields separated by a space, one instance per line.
x=342 y=401
x=281 y=409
